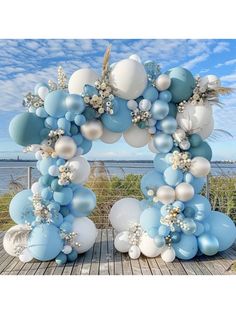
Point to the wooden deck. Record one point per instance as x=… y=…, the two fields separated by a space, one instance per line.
x=103 y=259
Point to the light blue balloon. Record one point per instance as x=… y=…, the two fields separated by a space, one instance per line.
x=152 y=232
x=54 y=207
x=223 y=228
x=208 y=244
x=201 y=205
x=46 y=194
x=66 y=227
x=78 y=138
x=74 y=130
x=121 y=120
x=163 y=142
x=151 y=180
x=159 y=110
x=168 y=125
x=163 y=230
x=90 y=90
x=172 y=176
x=45 y=242
x=175 y=236
x=60 y=162
x=37 y=86
x=57 y=219
x=64 y=124
x=45 y=163
x=90 y=113
x=41 y=112
x=198 y=184
x=172 y=110
x=83 y=202
x=188 y=177
x=25 y=129
x=21 y=208
x=45 y=180
x=159 y=241
x=144 y=203
x=189 y=212
x=187 y=247
x=80 y=119
x=150 y=93
x=165 y=96
x=61 y=259
x=69 y=218
x=63 y=197
x=179 y=204
x=203 y=150
x=70 y=116
x=75 y=103
x=51 y=123
x=64 y=211
x=191 y=226
x=53 y=170
x=160 y=162
x=86 y=145
x=200 y=228
x=150 y=218
x=72 y=256
x=54 y=103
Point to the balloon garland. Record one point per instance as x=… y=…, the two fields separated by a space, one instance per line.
x=171 y=112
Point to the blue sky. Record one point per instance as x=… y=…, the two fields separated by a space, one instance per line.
x=23 y=63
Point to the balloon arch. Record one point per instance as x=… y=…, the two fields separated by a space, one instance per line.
x=171 y=112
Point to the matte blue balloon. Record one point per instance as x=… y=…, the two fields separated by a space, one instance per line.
x=195 y=140
x=25 y=129
x=203 y=150
x=188 y=178
x=182 y=84
x=45 y=163
x=191 y=226
x=90 y=90
x=150 y=218
x=69 y=218
x=72 y=256
x=86 y=145
x=160 y=162
x=74 y=130
x=21 y=208
x=70 y=116
x=163 y=142
x=64 y=124
x=80 y=119
x=165 y=96
x=159 y=110
x=54 y=103
x=152 y=232
x=121 y=120
x=61 y=259
x=201 y=205
x=164 y=210
x=200 y=228
x=163 y=230
x=57 y=219
x=168 y=125
x=150 y=93
x=54 y=207
x=179 y=204
x=90 y=113
x=37 y=86
x=151 y=180
x=45 y=242
x=32 y=110
x=189 y=212
x=172 y=176
x=63 y=197
x=208 y=244
x=46 y=194
x=44 y=133
x=51 y=123
x=45 y=180
x=64 y=211
x=75 y=103
x=198 y=184
x=223 y=228
x=187 y=247
x=78 y=139
x=175 y=237
x=41 y=112
x=83 y=202
x=172 y=110
x=60 y=162
x=144 y=203
x=66 y=227
x=159 y=241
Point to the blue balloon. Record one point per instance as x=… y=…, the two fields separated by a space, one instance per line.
x=160 y=162
x=37 y=86
x=54 y=103
x=74 y=130
x=45 y=242
x=191 y=226
x=69 y=218
x=200 y=228
x=60 y=162
x=45 y=180
x=151 y=180
x=223 y=228
x=188 y=178
x=182 y=84
x=175 y=237
x=64 y=124
x=203 y=150
x=61 y=259
x=163 y=230
x=41 y=112
x=189 y=212
x=159 y=110
x=66 y=227
x=78 y=139
x=201 y=205
x=150 y=93
x=179 y=204
x=57 y=219
x=83 y=202
x=75 y=103
x=172 y=110
x=187 y=247
x=165 y=96
x=63 y=197
x=80 y=119
x=64 y=211
x=70 y=116
x=46 y=194
x=121 y=120
x=208 y=244
x=152 y=232
x=150 y=218
x=90 y=113
x=86 y=145
x=159 y=241
x=21 y=208
x=25 y=129
x=198 y=184
x=163 y=142
x=90 y=90
x=172 y=176
x=195 y=140
x=72 y=256
x=45 y=163
x=51 y=123
x=44 y=133
x=168 y=125
x=54 y=207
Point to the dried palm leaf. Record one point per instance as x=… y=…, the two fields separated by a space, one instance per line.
x=219 y=134
x=106 y=61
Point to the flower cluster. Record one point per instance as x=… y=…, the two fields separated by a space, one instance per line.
x=65 y=174
x=135 y=232
x=62 y=82
x=69 y=238
x=180 y=161
x=171 y=218
x=40 y=210
x=153 y=193
x=31 y=100
x=53 y=136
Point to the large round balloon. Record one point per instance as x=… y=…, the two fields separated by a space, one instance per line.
x=80 y=168
x=206 y=130
x=124 y=213
x=25 y=129
x=80 y=78
x=148 y=246
x=136 y=136
x=150 y=218
x=16 y=239
x=151 y=180
x=21 y=207
x=83 y=202
x=223 y=228
x=65 y=147
x=203 y=150
x=201 y=205
x=172 y=176
x=129 y=79
x=54 y=104
x=86 y=234
x=208 y=244
x=45 y=242
x=160 y=162
x=187 y=247
x=64 y=196
x=110 y=137
x=182 y=84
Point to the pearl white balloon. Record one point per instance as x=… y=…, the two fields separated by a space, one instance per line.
x=134 y=252
x=80 y=78
x=65 y=147
x=135 y=58
x=42 y=92
x=200 y=167
x=185 y=144
x=168 y=254
x=166 y=194
x=148 y=246
x=67 y=249
x=121 y=242
x=36 y=188
x=184 y=192
x=151 y=146
x=17 y=236
x=38 y=155
x=136 y=137
x=206 y=131
x=163 y=82
x=179 y=135
x=132 y=104
x=110 y=137
x=80 y=169
x=129 y=79
x=92 y=130
x=87 y=233
x=124 y=213
x=26 y=256
x=145 y=105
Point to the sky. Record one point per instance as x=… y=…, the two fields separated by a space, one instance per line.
x=26 y=62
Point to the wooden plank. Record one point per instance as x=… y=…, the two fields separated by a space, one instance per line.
x=203 y=260
x=117 y=260
x=5 y=261
x=145 y=270
x=179 y=267
x=68 y=268
x=126 y=264
x=87 y=262
x=94 y=270
x=34 y=268
x=171 y=268
x=136 y=269
x=10 y=266
x=25 y=268
x=17 y=268
x=50 y=268
x=42 y=268
x=78 y=265
x=155 y=270
x=103 y=266
x=188 y=268
x=162 y=265
x=110 y=241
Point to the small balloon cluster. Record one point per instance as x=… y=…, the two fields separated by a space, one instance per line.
x=140 y=102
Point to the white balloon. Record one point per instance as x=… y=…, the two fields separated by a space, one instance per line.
x=179 y=135
x=124 y=213
x=132 y=104
x=38 y=155
x=67 y=249
x=148 y=247
x=26 y=256
x=129 y=79
x=200 y=167
x=136 y=137
x=206 y=131
x=166 y=194
x=163 y=82
x=65 y=147
x=92 y=130
x=145 y=105
x=134 y=252
x=121 y=242
x=168 y=254
x=16 y=237
x=110 y=137
x=87 y=233
x=185 y=144
x=42 y=92
x=80 y=78
x=135 y=58
x=36 y=188
x=151 y=146
x=210 y=81
x=184 y=192
x=80 y=169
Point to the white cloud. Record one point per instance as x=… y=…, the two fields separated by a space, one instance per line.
x=221 y=47
x=193 y=62
x=229 y=78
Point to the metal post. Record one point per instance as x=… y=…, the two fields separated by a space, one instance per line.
x=208 y=186
x=29 y=177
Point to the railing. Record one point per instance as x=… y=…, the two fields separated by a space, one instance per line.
x=112 y=181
